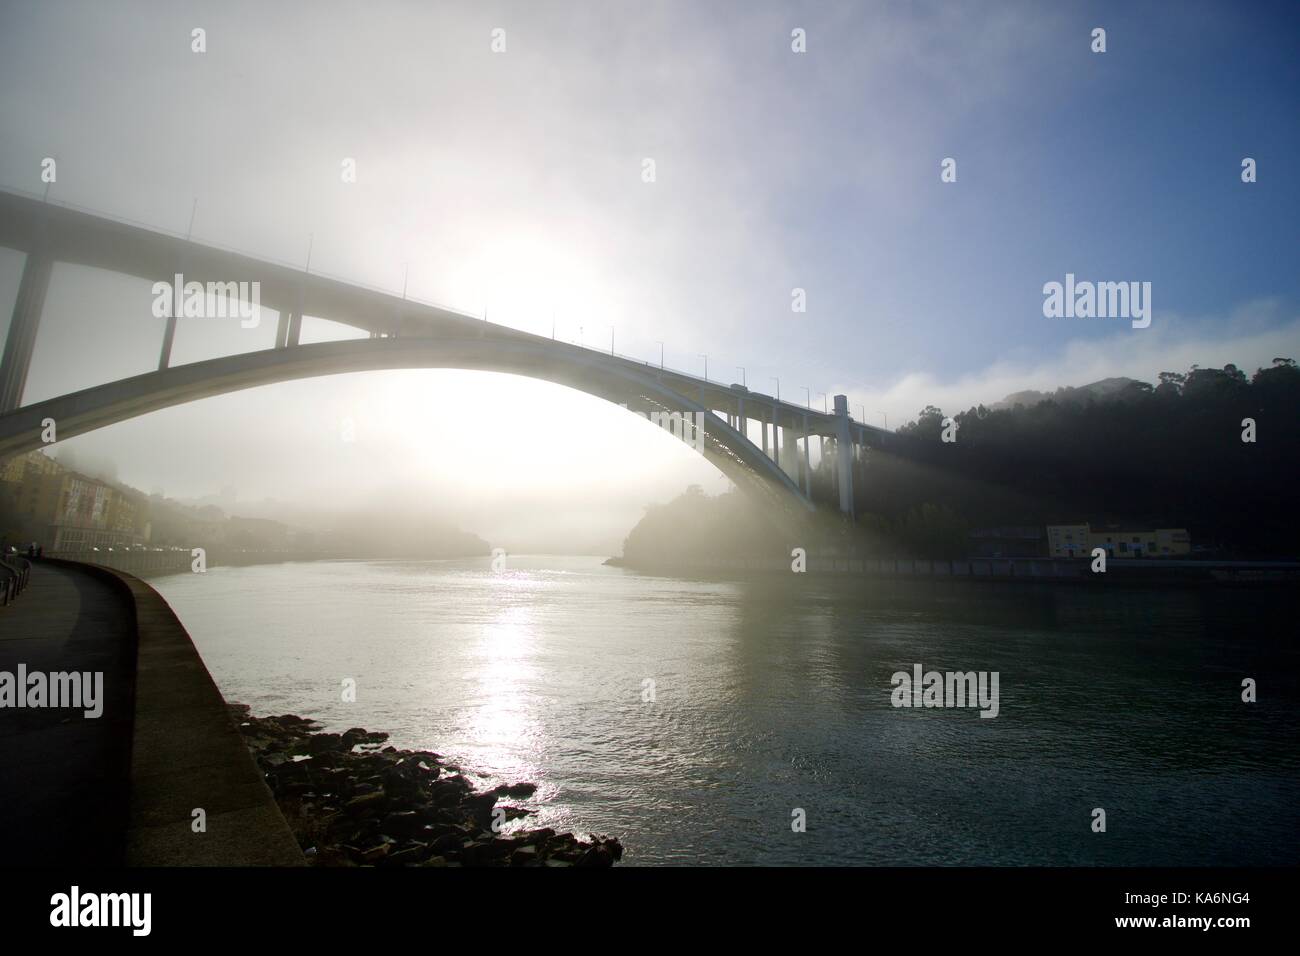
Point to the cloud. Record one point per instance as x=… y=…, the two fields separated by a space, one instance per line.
x=1250 y=337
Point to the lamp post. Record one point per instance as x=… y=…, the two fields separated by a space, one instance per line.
x=741 y=370
x=807 y=397
x=778 y=387
x=661 y=356
x=706 y=365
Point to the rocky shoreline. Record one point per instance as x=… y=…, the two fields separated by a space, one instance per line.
x=350 y=802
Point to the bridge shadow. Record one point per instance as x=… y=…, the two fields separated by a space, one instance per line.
x=66 y=792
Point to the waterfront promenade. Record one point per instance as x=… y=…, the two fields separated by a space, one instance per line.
x=161 y=776
x=65 y=789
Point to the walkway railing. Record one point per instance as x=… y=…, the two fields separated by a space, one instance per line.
x=131 y=560
x=15 y=572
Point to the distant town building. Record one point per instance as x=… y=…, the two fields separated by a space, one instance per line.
x=30 y=488
x=1012 y=541
x=66 y=511
x=1068 y=540
x=1079 y=540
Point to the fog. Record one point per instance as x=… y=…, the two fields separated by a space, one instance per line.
x=511 y=184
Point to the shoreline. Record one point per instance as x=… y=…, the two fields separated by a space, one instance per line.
x=1141 y=573
x=352 y=802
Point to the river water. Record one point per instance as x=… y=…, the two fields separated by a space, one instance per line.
x=773 y=696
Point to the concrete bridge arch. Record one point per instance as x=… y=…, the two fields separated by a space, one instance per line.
x=402 y=334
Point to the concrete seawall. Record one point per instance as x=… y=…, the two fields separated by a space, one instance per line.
x=187 y=755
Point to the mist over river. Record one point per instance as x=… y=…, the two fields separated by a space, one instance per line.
x=774 y=694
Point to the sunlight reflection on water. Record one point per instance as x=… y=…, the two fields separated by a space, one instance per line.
x=774 y=694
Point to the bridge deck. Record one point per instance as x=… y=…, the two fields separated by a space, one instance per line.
x=65 y=786
x=402 y=334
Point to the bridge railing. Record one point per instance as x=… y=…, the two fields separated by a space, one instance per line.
x=15 y=572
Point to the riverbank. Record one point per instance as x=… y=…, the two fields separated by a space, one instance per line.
x=1145 y=572
x=156 y=562
x=352 y=802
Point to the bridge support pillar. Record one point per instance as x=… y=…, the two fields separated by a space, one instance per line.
x=295 y=328
x=807 y=466
x=21 y=341
x=169 y=337
x=776 y=434
x=282 y=329
x=844 y=453
x=169 y=331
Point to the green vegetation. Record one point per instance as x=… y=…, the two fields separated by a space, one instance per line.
x=1169 y=455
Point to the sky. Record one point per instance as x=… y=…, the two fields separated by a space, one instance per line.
x=513 y=183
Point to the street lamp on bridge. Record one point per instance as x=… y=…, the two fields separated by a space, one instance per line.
x=706 y=364
x=778 y=387
x=741 y=370
x=807 y=396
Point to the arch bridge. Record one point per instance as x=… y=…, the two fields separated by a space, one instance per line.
x=761 y=443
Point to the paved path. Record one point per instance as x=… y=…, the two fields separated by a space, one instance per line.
x=64 y=779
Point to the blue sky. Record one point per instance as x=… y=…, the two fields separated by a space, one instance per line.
x=512 y=183
x=1123 y=165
